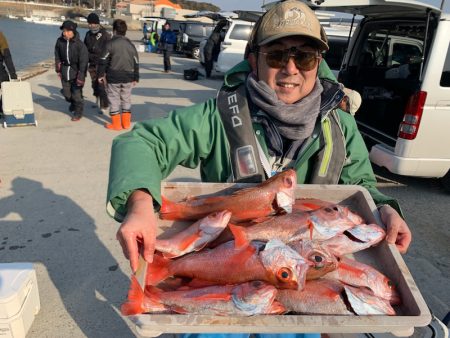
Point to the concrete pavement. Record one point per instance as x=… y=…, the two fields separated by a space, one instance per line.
x=52 y=205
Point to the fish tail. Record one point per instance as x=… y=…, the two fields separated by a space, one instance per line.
x=158 y=270
x=170 y=210
x=135 y=298
x=240 y=237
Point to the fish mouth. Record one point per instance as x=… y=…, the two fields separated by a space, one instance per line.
x=284 y=201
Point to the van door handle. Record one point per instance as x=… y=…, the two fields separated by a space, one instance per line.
x=226 y=43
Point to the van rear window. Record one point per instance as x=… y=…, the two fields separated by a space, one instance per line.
x=445 y=77
x=241 y=32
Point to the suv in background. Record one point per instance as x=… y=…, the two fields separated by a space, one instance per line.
x=398 y=59
x=232 y=47
x=189 y=35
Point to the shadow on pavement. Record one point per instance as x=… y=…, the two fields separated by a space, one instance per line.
x=55 y=100
x=53 y=230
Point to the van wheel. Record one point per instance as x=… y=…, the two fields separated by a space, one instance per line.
x=446 y=181
x=196 y=53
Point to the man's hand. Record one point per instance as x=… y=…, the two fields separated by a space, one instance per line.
x=80 y=83
x=59 y=75
x=133 y=84
x=397 y=232
x=137 y=234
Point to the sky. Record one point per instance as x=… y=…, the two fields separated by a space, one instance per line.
x=255 y=5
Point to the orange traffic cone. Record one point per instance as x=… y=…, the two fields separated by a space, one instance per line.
x=116 y=124
x=126 y=119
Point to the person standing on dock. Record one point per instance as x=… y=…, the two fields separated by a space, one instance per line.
x=71 y=62
x=118 y=68
x=95 y=41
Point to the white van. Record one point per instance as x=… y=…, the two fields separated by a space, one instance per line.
x=233 y=46
x=399 y=60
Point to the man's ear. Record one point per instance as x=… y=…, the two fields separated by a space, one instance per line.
x=253 y=62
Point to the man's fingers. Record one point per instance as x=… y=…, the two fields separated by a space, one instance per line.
x=392 y=232
x=133 y=253
x=122 y=245
x=149 y=249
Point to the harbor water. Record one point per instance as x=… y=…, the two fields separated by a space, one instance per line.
x=29 y=42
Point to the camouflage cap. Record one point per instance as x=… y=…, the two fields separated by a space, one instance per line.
x=289 y=18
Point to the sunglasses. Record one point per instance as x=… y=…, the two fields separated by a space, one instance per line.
x=303 y=60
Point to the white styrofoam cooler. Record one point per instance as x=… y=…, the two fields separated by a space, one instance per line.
x=19 y=299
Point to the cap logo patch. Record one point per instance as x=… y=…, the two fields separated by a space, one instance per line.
x=292 y=17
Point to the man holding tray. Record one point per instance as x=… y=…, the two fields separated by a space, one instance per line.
x=285 y=96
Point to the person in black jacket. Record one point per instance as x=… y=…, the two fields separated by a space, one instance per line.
x=5 y=60
x=118 y=68
x=71 y=61
x=95 y=41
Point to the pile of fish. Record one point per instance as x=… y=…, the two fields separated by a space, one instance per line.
x=258 y=251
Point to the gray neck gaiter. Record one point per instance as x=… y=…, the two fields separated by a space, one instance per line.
x=293 y=121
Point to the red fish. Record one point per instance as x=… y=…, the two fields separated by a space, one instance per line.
x=364 y=302
x=273 y=262
x=355 y=239
x=195 y=237
x=319 y=296
x=358 y=274
x=269 y=197
x=320 y=224
x=247 y=299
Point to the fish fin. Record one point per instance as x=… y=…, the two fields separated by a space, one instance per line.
x=135 y=298
x=311 y=206
x=240 y=237
x=170 y=210
x=158 y=270
x=277 y=308
x=242 y=255
x=214 y=296
x=189 y=240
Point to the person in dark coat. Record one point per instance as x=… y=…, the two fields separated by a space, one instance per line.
x=212 y=47
x=71 y=62
x=95 y=41
x=167 y=42
x=8 y=72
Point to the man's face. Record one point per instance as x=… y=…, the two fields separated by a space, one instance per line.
x=93 y=26
x=68 y=34
x=290 y=83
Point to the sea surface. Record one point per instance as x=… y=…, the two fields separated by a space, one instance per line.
x=31 y=43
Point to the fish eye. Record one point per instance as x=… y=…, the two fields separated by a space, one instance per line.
x=284 y=274
x=317 y=259
x=390 y=284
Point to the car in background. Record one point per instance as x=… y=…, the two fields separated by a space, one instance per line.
x=236 y=33
x=189 y=35
x=398 y=59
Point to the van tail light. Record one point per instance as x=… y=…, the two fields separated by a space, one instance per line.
x=413 y=114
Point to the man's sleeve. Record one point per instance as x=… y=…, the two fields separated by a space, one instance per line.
x=83 y=62
x=103 y=61
x=143 y=157
x=358 y=169
x=57 y=59
x=136 y=65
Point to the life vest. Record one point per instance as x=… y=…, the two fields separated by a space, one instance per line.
x=247 y=161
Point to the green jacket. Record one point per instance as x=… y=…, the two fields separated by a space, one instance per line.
x=195 y=136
